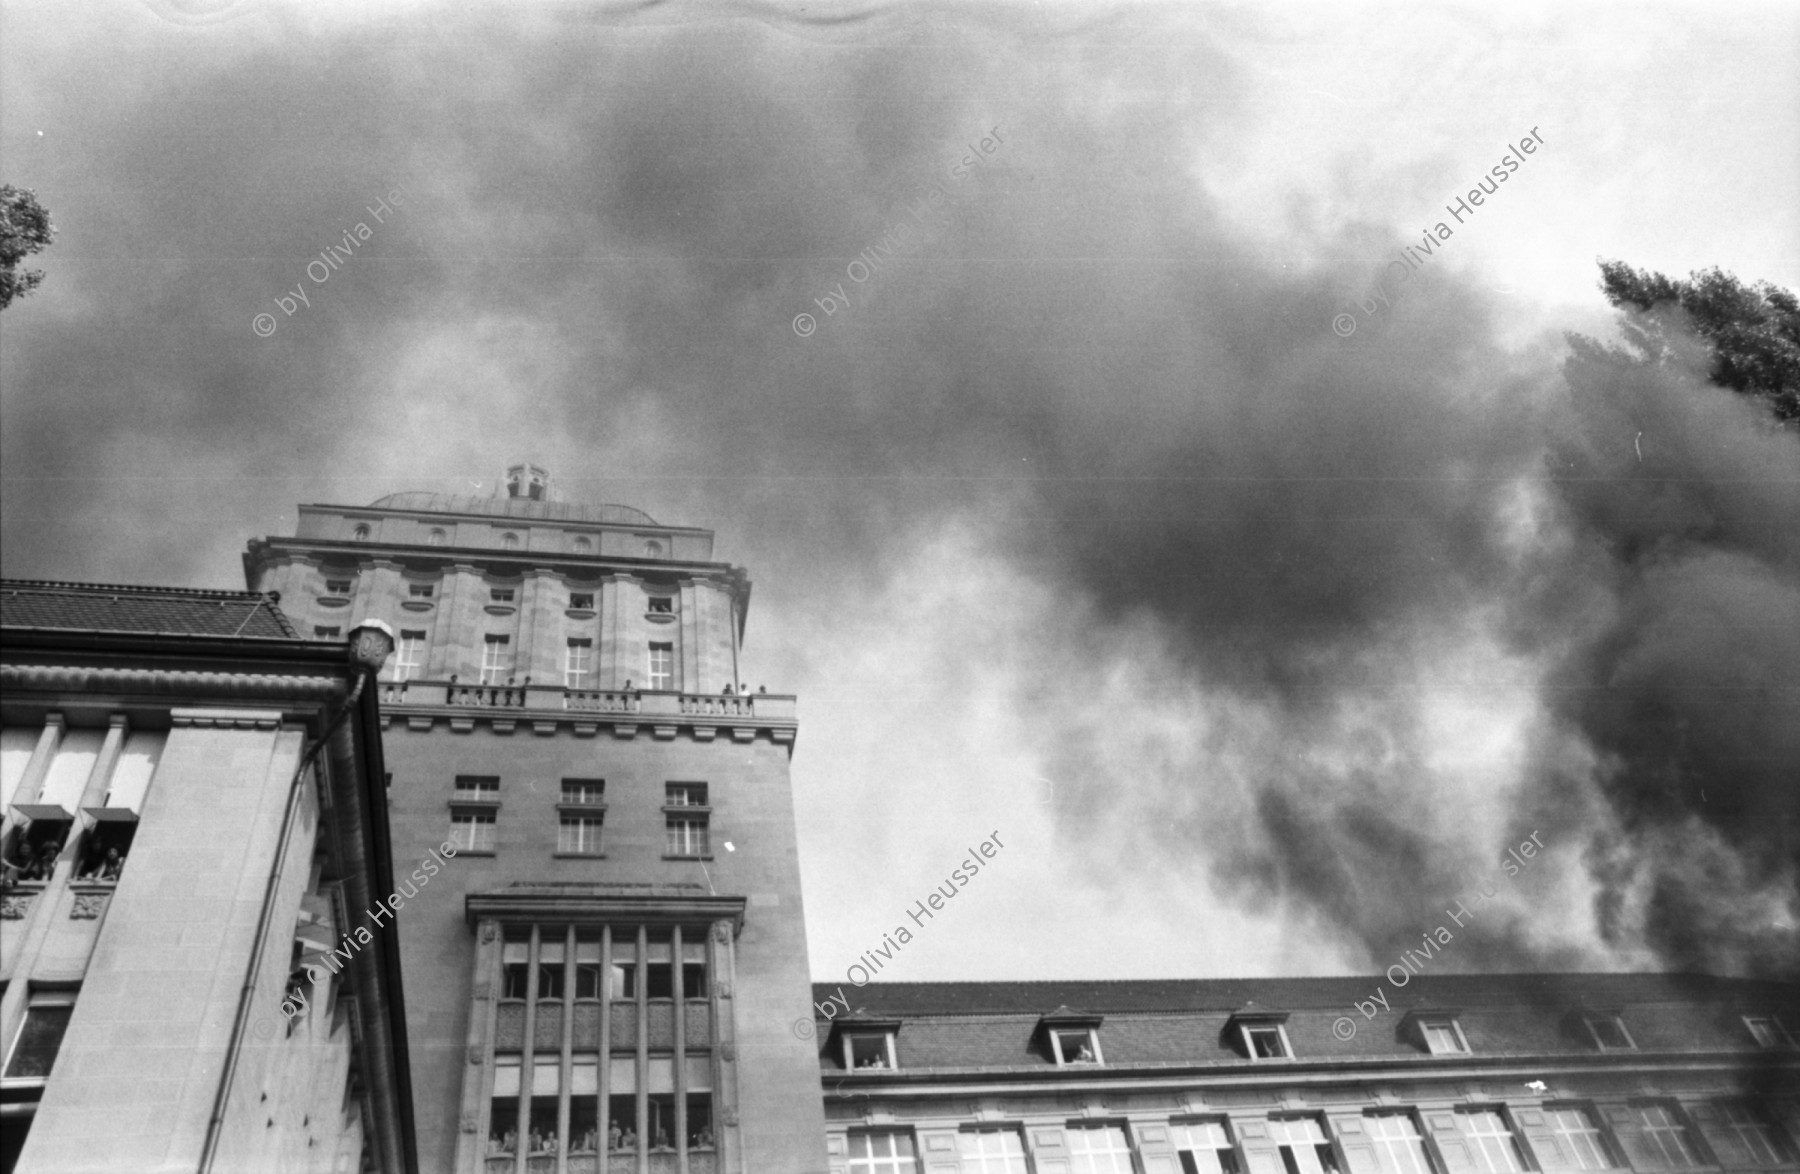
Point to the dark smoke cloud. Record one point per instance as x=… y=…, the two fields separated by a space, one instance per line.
x=1282 y=553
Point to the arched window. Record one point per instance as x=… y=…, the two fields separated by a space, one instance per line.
x=652 y=550
x=436 y=537
x=361 y=533
x=584 y=546
x=509 y=540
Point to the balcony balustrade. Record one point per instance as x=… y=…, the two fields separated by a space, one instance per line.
x=645 y=703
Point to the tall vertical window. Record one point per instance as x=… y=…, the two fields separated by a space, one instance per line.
x=40 y=1036
x=472 y=831
x=1492 y=1140
x=887 y=1151
x=579 y=834
x=991 y=1151
x=662 y=666
x=1099 y=1149
x=409 y=655
x=1579 y=1143
x=1304 y=1147
x=1204 y=1147
x=496 y=659
x=1743 y=1136
x=578 y=662
x=1398 y=1143
x=1661 y=1139
x=686 y=835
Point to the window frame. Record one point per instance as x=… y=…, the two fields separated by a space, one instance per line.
x=1325 y=1152
x=1102 y=1126
x=847 y=1041
x=1092 y=1040
x=477 y=817
x=1247 y=1025
x=581 y=601
x=1743 y=1118
x=1443 y=1021
x=475 y=791
x=581 y=818
x=340 y=586
x=985 y=1163
x=491 y=663
x=576 y=669
x=1522 y=1159
x=1675 y=1122
x=691 y=817
x=1611 y=1019
x=1777 y=1032
x=667 y=676
x=1385 y=1146
x=1183 y=1150
x=889 y=1163
x=1606 y=1146
x=421 y=590
x=38 y=998
x=412 y=640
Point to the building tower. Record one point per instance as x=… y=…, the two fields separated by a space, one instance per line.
x=606 y=978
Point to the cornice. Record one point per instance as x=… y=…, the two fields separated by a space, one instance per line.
x=602 y=904
x=173 y=683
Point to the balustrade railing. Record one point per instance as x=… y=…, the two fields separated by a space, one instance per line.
x=646 y=703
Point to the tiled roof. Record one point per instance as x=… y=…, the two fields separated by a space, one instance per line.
x=963 y=1025
x=119 y=607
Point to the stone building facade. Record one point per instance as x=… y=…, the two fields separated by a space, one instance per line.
x=1473 y=1074
x=194 y=829
x=609 y=979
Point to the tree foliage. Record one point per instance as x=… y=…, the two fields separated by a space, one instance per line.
x=25 y=229
x=1753 y=331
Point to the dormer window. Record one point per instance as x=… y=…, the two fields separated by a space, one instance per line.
x=361 y=533
x=1071 y=1037
x=1266 y=1042
x=1768 y=1032
x=509 y=540
x=436 y=537
x=1080 y=1045
x=584 y=546
x=653 y=550
x=865 y=1050
x=1442 y=1035
x=1608 y=1032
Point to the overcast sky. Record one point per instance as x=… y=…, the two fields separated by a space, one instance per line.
x=1113 y=509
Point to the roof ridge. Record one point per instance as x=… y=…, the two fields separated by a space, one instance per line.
x=132 y=588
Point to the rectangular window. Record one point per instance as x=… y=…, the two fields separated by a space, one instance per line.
x=887 y=1151
x=1744 y=1136
x=1609 y=1033
x=1204 y=1147
x=550 y=973
x=1304 y=1147
x=324 y=632
x=1663 y=1140
x=409 y=655
x=581 y=601
x=1443 y=1036
x=687 y=835
x=578 y=662
x=496 y=659
x=1075 y=1045
x=1265 y=1041
x=584 y=792
x=686 y=795
x=476 y=789
x=587 y=980
x=579 y=835
x=1099 y=1149
x=662 y=666
x=991 y=1151
x=1579 y=1143
x=472 y=831
x=1492 y=1139
x=661 y=605
x=693 y=979
x=421 y=590
x=501 y=594
x=1398 y=1143
x=1767 y=1031
x=40 y=1036
x=337 y=586
x=869 y=1050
